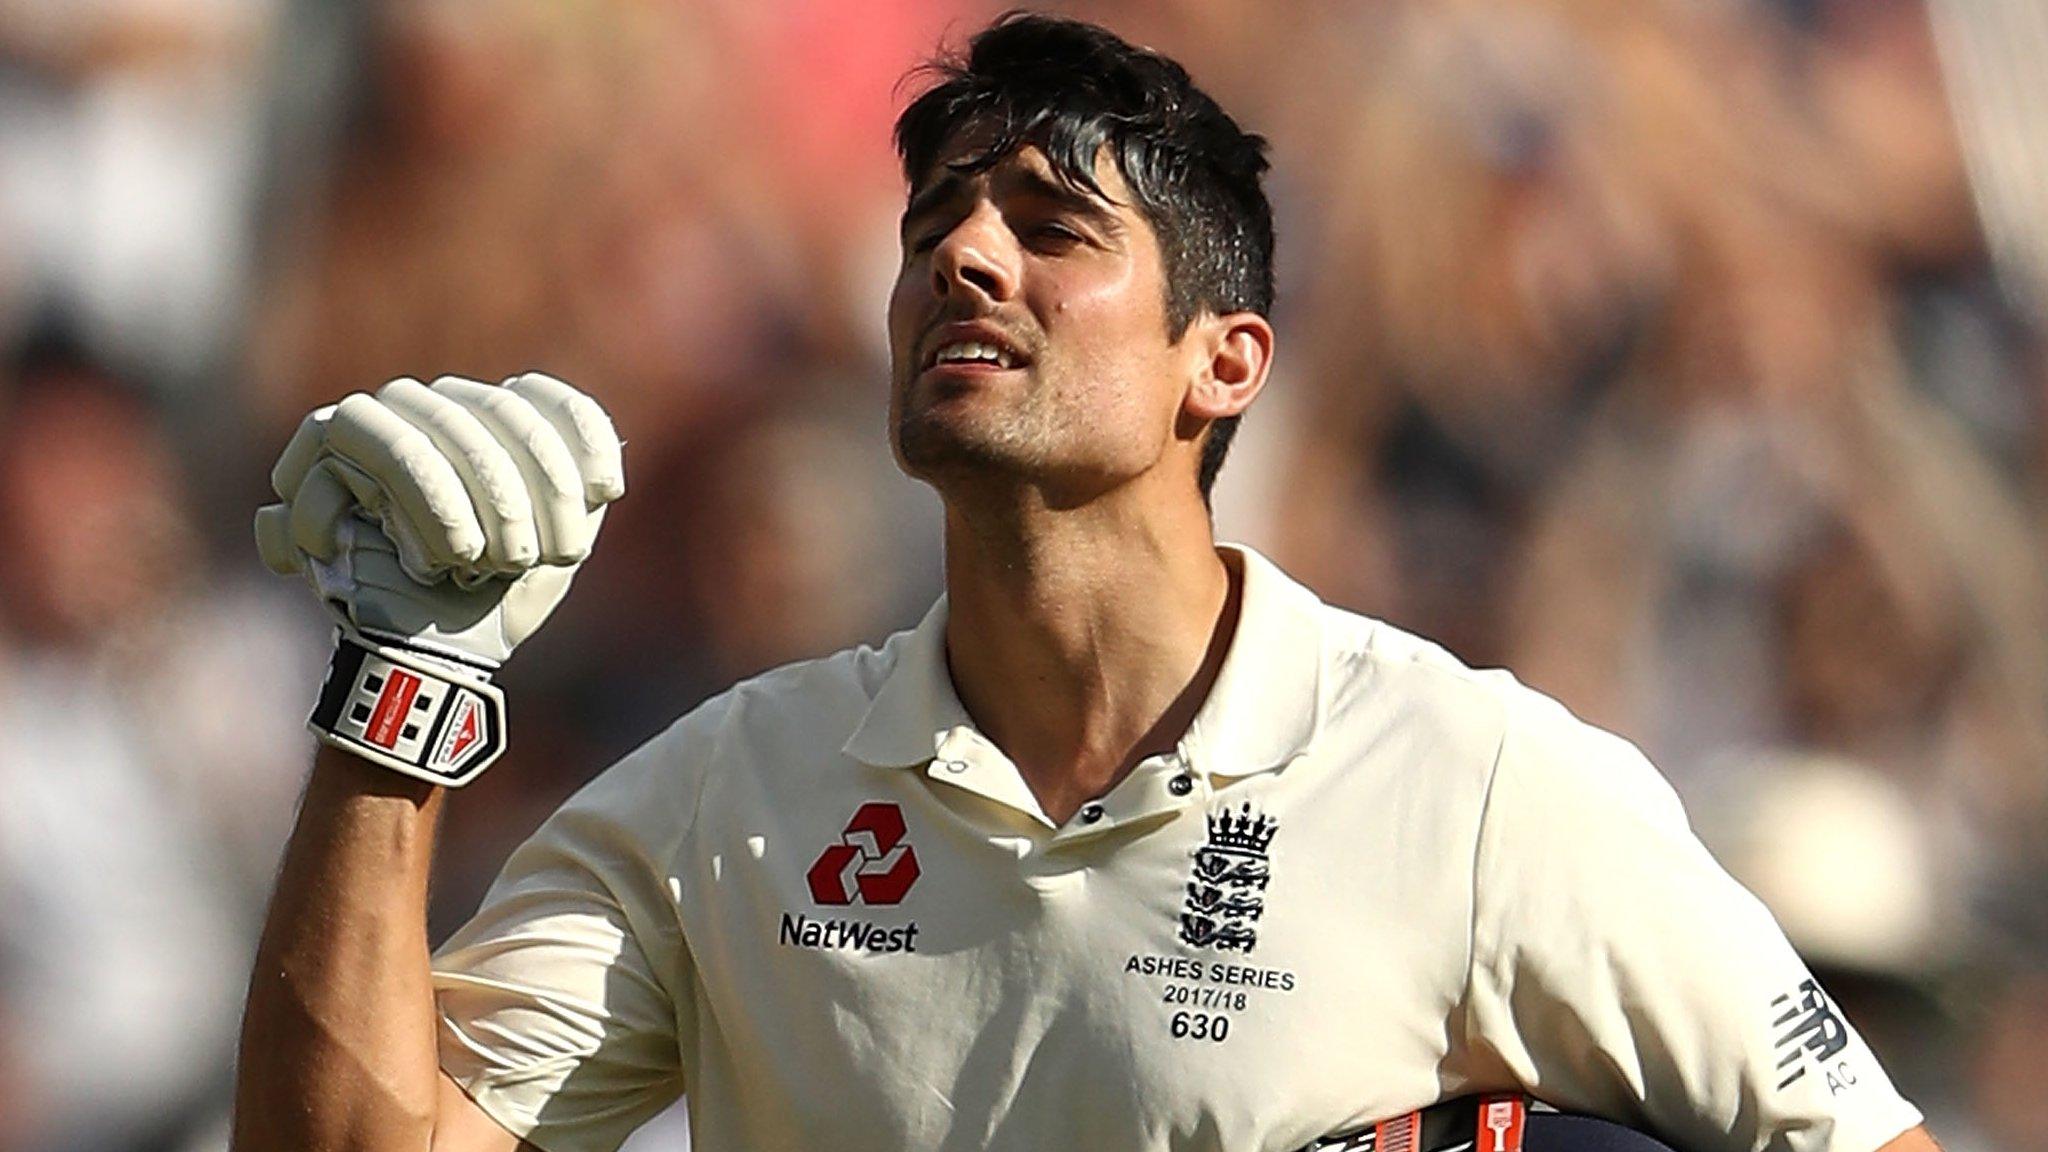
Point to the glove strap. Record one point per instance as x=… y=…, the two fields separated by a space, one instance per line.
x=410 y=713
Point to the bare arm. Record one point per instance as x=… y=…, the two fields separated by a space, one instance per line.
x=1912 y=1140
x=338 y=1043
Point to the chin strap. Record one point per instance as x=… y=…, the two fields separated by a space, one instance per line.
x=425 y=717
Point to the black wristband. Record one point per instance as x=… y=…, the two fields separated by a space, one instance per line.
x=412 y=714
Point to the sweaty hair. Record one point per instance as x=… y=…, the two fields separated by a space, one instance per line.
x=1072 y=89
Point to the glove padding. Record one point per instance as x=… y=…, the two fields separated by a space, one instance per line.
x=450 y=519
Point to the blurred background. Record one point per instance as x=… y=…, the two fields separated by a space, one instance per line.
x=1686 y=356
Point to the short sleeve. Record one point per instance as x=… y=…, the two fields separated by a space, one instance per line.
x=1619 y=970
x=565 y=1003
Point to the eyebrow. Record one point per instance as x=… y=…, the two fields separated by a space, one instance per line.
x=931 y=198
x=1030 y=182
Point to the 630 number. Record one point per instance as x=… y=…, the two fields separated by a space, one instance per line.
x=1198 y=1026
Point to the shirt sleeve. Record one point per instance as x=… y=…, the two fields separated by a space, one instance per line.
x=1619 y=970
x=566 y=1002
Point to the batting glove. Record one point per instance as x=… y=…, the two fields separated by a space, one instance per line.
x=440 y=525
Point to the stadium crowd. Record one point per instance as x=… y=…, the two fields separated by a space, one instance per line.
x=1688 y=357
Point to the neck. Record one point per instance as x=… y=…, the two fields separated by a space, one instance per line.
x=1083 y=639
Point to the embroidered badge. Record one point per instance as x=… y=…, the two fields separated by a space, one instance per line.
x=1226 y=891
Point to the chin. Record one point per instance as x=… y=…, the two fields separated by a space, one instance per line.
x=927 y=448
x=948 y=443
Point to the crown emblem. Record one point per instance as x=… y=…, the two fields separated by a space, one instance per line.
x=1226 y=887
x=1242 y=830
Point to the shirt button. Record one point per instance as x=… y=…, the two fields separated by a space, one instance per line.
x=1181 y=785
x=1091 y=813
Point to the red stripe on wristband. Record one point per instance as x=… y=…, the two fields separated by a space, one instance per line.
x=392 y=704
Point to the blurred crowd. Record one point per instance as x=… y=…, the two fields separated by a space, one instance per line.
x=1689 y=357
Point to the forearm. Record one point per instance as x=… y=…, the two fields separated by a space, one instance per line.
x=1913 y=1140
x=338 y=1041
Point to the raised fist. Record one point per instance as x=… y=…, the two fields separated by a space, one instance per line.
x=449 y=518
x=441 y=525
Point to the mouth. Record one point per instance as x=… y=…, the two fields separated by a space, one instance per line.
x=971 y=348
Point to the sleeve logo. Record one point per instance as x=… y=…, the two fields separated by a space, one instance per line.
x=1809 y=1032
x=1226 y=890
x=870 y=864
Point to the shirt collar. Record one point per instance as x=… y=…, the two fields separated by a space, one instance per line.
x=1264 y=709
x=1267 y=703
x=916 y=707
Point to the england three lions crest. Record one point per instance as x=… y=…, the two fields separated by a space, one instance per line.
x=1227 y=890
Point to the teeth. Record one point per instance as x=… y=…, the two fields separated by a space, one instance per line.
x=972 y=352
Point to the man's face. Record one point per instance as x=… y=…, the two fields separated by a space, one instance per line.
x=1027 y=332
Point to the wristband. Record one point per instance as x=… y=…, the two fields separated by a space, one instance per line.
x=413 y=714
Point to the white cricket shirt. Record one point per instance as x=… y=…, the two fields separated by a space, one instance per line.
x=1369 y=878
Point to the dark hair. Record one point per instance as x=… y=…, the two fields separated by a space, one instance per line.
x=1071 y=89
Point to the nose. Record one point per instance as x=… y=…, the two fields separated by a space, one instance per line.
x=978 y=256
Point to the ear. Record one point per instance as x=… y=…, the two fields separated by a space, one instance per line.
x=1239 y=349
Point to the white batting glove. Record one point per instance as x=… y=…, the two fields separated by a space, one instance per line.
x=441 y=526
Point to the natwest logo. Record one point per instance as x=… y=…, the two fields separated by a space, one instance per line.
x=870 y=863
